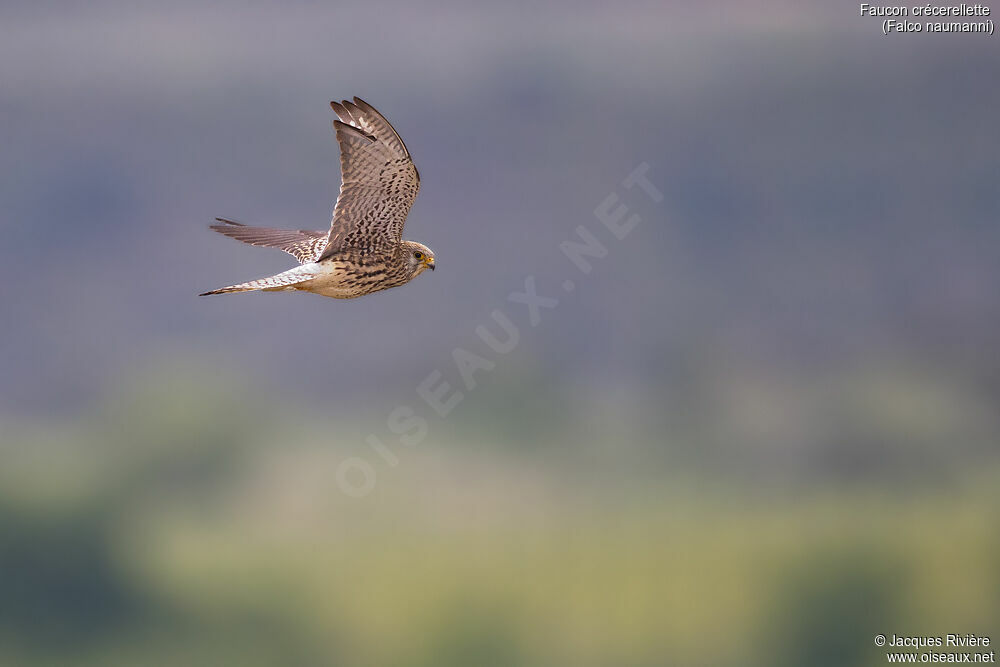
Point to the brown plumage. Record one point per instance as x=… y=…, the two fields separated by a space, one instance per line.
x=363 y=252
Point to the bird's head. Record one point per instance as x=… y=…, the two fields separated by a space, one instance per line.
x=417 y=257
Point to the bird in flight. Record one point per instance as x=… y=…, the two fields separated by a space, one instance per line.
x=364 y=250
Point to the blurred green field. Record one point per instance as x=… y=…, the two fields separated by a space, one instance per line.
x=180 y=524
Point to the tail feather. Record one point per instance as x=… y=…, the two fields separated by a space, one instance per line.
x=303 y=244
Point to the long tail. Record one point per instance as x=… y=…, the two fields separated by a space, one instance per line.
x=282 y=281
x=303 y=244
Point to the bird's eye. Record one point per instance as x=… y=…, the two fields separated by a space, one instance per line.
x=418 y=255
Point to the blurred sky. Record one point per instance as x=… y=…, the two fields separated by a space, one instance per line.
x=830 y=193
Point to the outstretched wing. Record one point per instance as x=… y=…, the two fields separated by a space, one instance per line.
x=378 y=181
x=305 y=245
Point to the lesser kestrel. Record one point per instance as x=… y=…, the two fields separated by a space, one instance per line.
x=364 y=251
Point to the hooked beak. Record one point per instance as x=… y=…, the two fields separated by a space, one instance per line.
x=429 y=263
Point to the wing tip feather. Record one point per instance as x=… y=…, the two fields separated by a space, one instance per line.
x=347 y=128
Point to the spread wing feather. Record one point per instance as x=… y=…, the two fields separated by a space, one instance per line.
x=378 y=181
x=305 y=245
